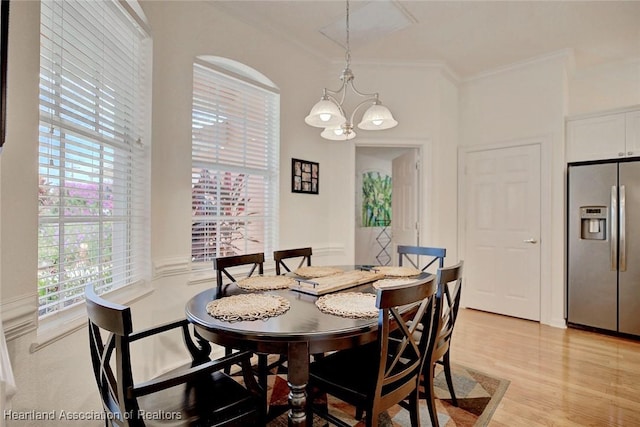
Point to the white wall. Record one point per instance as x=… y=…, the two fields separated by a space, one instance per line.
x=442 y=216
x=527 y=101
x=19 y=209
x=604 y=87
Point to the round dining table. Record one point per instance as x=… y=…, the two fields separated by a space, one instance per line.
x=301 y=331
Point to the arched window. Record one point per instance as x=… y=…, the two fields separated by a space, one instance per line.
x=235 y=145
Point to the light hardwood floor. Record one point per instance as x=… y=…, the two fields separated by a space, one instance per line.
x=559 y=377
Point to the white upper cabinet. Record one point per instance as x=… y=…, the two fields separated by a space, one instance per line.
x=633 y=133
x=606 y=136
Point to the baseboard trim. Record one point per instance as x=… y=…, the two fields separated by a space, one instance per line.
x=20 y=315
x=171 y=266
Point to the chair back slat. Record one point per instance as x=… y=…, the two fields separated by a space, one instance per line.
x=449 y=282
x=114 y=321
x=222 y=264
x=280 y=256
x=433 y=255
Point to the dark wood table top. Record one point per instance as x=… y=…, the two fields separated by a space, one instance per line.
x=302 y=322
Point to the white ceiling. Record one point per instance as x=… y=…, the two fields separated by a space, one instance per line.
x=470 y=37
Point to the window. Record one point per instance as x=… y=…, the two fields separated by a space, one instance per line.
x=93 y=160
x=234 y=175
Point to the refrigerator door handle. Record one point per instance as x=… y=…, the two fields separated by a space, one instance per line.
x=623 y=229
x=614 y=228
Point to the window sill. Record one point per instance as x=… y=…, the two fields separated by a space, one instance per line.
x=63 y=324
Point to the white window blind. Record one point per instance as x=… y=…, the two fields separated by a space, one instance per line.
x=235 y=141
x=93 y=164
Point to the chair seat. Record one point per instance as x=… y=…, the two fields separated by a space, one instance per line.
x=347 y=373
x=205 y=402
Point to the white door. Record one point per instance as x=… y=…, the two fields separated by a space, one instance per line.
x=404 y=201
x=502 y=248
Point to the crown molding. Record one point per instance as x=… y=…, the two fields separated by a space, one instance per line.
x=566 y=54
x=426 y=64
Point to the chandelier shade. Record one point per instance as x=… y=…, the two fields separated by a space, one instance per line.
x=337 y=134
x=325 y=114
x=329 y=113
x=377 y=117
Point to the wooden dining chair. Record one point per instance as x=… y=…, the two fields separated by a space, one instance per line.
x=376 y=376
x=225 y=266
x=280 y=256
x=449 y=281
x=199 y=393
x=432 y=255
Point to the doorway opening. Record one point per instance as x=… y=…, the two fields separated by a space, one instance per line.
x=387 y=202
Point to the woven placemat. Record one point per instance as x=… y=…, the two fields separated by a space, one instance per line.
x=248 y=307
x=386 y=283
x=313 y=272
x=355 y=305
x=265 y=283
x=397 y=271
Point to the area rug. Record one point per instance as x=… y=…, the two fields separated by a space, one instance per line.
x=478 y=397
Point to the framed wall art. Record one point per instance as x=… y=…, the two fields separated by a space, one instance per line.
x=4 y=45
x=305 y=176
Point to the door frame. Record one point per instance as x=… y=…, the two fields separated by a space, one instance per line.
x=425 y=179
x=544 y=142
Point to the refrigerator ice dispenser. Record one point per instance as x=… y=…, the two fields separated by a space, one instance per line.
x=593 y=222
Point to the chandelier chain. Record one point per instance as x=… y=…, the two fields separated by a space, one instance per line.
x=348 y=52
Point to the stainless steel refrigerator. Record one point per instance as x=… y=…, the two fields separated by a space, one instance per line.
x=603 y=246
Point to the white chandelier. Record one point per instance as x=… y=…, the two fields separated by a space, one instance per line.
x=329 y=113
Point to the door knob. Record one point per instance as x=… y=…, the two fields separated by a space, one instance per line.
x=532 y=241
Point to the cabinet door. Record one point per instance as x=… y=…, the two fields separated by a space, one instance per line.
x=596 y=138
x=633 y=133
